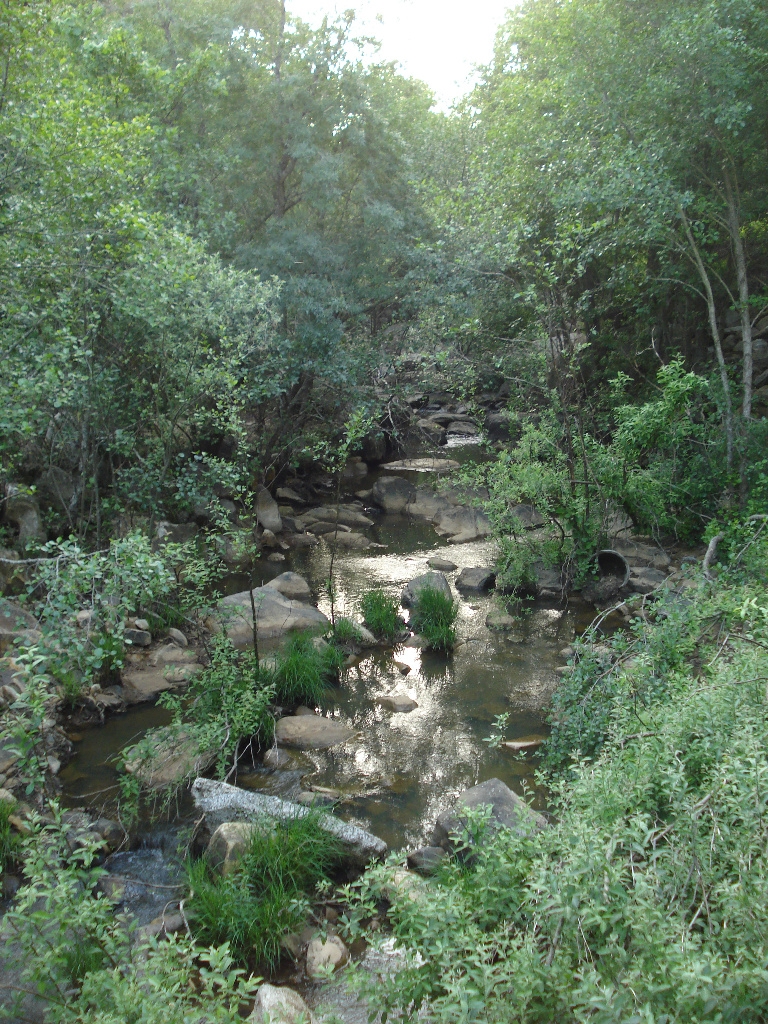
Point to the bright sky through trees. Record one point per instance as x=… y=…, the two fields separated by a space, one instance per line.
x=439 y=41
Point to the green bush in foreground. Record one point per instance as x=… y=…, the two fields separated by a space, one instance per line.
x=381 y=614
x=433 y=617
x=266 y=896
x=645 y=900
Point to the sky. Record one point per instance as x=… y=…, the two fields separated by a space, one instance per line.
x=439 y=41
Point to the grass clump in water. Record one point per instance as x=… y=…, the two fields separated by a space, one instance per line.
x=434 y=617
x=266 y=895
x=345 y=632
x=10 y=843
x=304 y=670
x=381 y=614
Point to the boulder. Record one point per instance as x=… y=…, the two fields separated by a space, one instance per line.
x=137 y=637
x=228 y=844
x=170 y=654
x=528 y=517
x=432 y=580
x=305 y=732
x=22 y=509
x=460 y=524
x=355 y=469
x=525 y=745
x=499 y=426
x=393 y=493
x=325 y=955
x=141 y=686
x=220 y=802
x=427 y=505
x=15 y=624
x=235 y=552
x=351 y=541
x=267 y=512
x=508 y=810
x=288 y=494
x=292 y=586
x=276 y=615
x=398 y=701
x=441 y=564
x=279 y=1005
x=427 y=860
x=276 y=758
x=476 y=579
x=177 y=637
x=436 y=433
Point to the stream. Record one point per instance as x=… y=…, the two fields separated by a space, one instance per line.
x=406 y=766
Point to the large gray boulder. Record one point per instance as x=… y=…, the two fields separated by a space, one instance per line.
x=508 y=810
x=15 y=624
x=430 y=580
x=393 y=493
x=220 y=803
x=276 y=615
x=267 y=512
x=345 y=515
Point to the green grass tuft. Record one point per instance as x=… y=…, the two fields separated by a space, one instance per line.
x=345 y=632
x=304 y=670
x=266 y=896
x=381 y=614
x=434 y=618
x=10 y=843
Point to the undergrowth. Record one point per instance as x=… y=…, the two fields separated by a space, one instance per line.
x=434 y=617
x=266 y=896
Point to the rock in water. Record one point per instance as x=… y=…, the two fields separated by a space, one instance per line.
x=430 y=580
x=476 y=579
x=275 y=616
x=311 y=732
x=279 y=1005
x=228 y=844
x=508 y=810
x=392 y=493
x=442 y=564
x=427 y=860
x=399 y=702
x=267 y=512
x=221 y=803
x=292 y=586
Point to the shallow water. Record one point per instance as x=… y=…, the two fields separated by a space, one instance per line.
x=402 y=768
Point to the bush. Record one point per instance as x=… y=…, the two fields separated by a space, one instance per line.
x=303 y=670
x=381 y=614
x=10 y=844
x=433 y=617
x=265 y=897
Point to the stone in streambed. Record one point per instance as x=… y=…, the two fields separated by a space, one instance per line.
x=508 y=810
x=461 y=524
x=276 y=615
x=441 y=564
x=399 y=702
x=430 y=580
x=427 y=860
x=524 y=745
x=228 y=844
x=311 y=732
x=267 y=512
x=500 y=621
x=325 y=955
x=276 y=1004
x=393 y=493
x=476 y=579
x=276 y=758
x=177 y=637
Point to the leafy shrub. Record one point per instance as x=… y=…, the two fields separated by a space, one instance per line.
x=77 y=954
x=265 y=896
x=303 y=670
x=381 y=614
x=434 y=615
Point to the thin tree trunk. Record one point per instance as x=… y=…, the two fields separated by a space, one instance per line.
x=715 y=330
x=740 y=258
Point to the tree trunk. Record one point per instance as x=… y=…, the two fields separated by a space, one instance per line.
x=740 y=259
